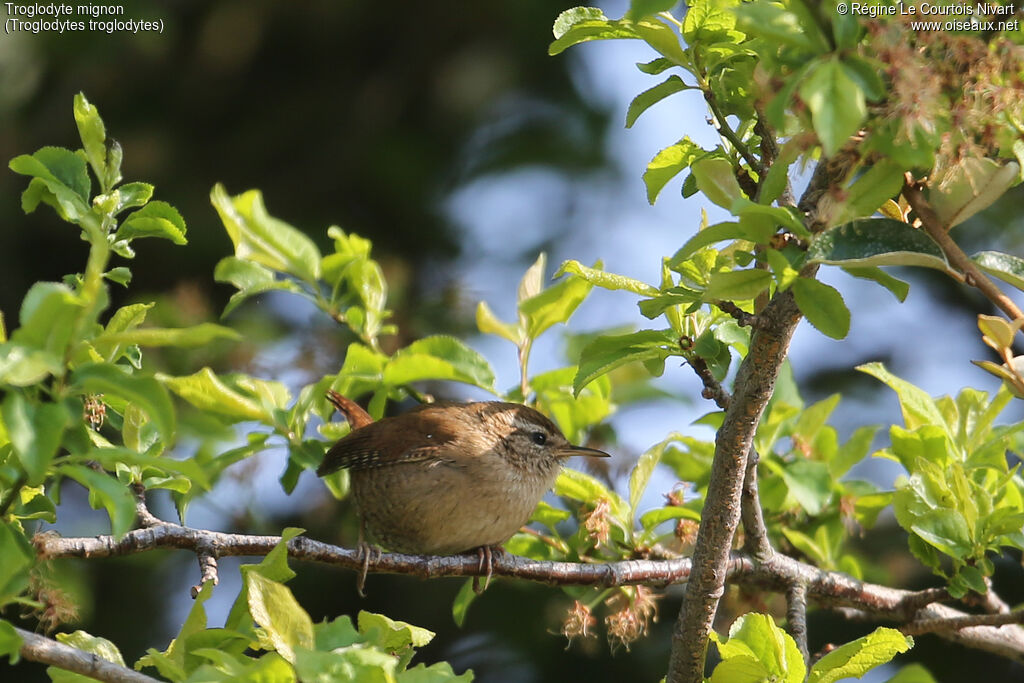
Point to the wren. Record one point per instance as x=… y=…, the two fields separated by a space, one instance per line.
x=448 y=477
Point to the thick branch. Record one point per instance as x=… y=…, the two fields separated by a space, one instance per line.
x=755 y=381
x=777 y=574
x=41 y=649
x=954 y=254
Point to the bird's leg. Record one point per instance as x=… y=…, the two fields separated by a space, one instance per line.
x=364 y=552
x=486 y=554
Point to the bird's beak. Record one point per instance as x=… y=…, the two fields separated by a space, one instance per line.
x=583 y=450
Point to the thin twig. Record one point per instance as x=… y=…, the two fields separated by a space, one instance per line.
x=713 y=390
x=755 y=533
x=743 y=319
x=12 y=493
x=954 y=254
x=727 y=132
x=796 y=616
x=37 y=648
x=920 y=626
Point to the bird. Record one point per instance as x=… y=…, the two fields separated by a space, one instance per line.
x=449 y=477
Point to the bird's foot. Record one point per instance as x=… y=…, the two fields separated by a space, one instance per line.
x=365 y=551
x=486 y=554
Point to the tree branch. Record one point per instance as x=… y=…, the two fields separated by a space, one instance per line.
x=45 y=650
x=958 y=259
x=828 y=589
x=796 y=616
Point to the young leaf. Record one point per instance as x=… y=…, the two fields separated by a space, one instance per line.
x=155 y=219
x=823 y=306
x=261 y=238
x=183 y=337
x=897 y=287
x=553 y=305
x=652 y=96
x=606 y=353
x=583 y=24
x=836 y=103
x=488 y=323
x=60 y=172
x=918 y=407
x=667 y=163
x=737 y=285
x=275 y=609
x=106 y=491
x=878 y=184
x=94 y=137
x=606 y=280
x=207 y=392
x=856 y=658
x=975 y=185
x=439 y=358
x=35 y=431
x=716 y=179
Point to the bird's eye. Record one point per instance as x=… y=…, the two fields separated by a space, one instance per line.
x=539 y=438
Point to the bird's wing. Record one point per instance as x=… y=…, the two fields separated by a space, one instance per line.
x=371 y=447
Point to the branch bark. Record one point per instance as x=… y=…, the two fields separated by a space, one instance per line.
x=954 y=254
x=777 y=574
x=37 y=648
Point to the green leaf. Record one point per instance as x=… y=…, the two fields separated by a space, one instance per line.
x=716 y=179
x=704 y=237
x=879 y=183
x=737 y=285
x=836 y=103
x=877 y=242
x=913 y=673
x=606 y=353
x=183 y=337
x=606 y=280
x=207 y=392
x=155 y=219
x=810 y=483
x=435 y=673
x=99 y=647
x=553 y=305
x=583 y=24
x=652 y=96
x=576 y=485
x=1006 y=267
x=131 y=195
x=639 y=9
x=62 y=174
x=655 y=66
x=35 y=431
x=898 y=287
x=823 y=306
x=918 y=407
x=852 y=452
x=856 y=658
x=762 y=648
x=48 y=316
x=488 y=323
x=250 y=279
x=17 y=556
x=21 y=366
x=145 y=392
x=10 y=642
x=570 y=17
x=970 y=186
x=439 y=358
x=708 y=22
x=779 y=25
x=276 y=610
x=390 y=634
x=106 y=491
x=643 y=470
x=94 y=137
x=667 y=163
x=463 y=599
x=778 y=215
x=263 y=239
